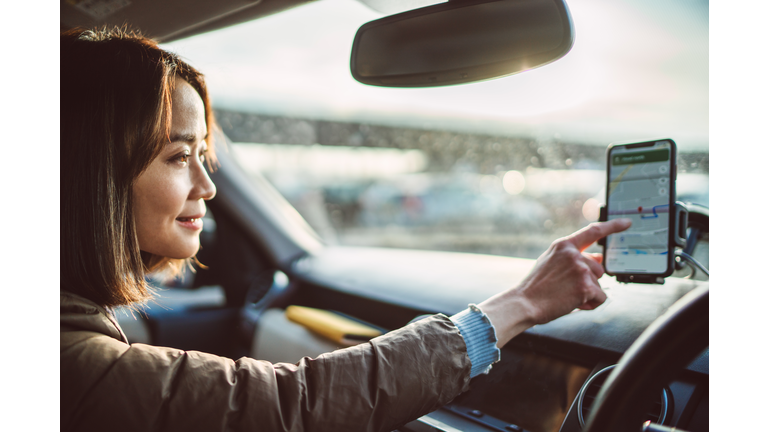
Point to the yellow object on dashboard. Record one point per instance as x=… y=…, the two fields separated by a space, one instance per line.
x=331 y=325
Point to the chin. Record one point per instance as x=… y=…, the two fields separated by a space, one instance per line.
x=173 y=247
x=181 y=251
x=186 y=254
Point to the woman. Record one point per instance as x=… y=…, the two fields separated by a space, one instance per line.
x=135 y=129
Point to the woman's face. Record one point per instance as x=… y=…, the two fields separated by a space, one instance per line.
x=169 y=195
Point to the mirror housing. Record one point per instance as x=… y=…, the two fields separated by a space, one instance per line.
x=460 y=42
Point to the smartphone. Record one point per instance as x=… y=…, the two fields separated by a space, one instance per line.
x=641 y=187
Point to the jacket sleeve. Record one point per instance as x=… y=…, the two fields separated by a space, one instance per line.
x=375 y=386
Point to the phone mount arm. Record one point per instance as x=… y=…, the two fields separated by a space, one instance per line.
x=678 y=240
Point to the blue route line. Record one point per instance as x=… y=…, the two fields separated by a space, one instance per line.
x=640 y=252
x=655 y=215
x=664 y=208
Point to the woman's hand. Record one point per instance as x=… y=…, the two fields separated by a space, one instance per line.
x=563 y=279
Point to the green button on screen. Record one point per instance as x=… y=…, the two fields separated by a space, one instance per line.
x=642 y=157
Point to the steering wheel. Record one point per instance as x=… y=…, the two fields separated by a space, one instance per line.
x=667 y=345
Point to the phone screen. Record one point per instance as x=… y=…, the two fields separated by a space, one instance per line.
x=641 y=188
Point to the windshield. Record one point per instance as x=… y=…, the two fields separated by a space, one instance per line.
x=500 y=167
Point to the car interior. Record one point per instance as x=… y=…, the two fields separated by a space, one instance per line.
x=382 y=253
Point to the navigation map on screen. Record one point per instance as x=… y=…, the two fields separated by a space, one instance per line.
x=639 y=189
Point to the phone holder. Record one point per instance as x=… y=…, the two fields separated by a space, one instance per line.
x=680 y=220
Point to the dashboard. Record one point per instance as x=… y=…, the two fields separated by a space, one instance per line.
x=545 y=377
x=531 y=390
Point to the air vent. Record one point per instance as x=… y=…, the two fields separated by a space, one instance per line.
x=588 y=393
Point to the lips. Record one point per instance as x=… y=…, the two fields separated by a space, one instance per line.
x=194 y=222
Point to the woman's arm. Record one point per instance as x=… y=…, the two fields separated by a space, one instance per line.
x=376 y=386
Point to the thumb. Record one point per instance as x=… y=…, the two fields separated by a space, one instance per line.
x=594 y=303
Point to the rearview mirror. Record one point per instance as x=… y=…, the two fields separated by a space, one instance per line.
x=461 y=42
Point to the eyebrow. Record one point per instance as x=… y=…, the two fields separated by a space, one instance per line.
x=186 y=137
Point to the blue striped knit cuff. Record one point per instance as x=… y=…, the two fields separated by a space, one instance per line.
x=480 y=337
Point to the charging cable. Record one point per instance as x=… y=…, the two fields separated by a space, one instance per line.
x=692 y=260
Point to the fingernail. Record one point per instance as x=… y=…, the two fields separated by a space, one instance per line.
x=626 y=221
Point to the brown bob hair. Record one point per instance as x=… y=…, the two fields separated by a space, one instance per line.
x=116 y=88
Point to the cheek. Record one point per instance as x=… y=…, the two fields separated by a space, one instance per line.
x=154 y=206
x=158 y=200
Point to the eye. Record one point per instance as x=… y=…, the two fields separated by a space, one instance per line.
x=202 y=155
x=181 y=158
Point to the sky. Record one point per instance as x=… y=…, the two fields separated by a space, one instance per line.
x=638 y=70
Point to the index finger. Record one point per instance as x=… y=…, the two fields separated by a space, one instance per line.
x=595 y=231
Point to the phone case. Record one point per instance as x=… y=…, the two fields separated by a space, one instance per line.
x=673 y=238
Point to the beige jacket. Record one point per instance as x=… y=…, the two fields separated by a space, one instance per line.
x=107 y=384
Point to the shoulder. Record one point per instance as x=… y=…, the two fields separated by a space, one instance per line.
x=80 y=314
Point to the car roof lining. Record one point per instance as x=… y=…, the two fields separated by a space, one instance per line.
x=171 y=19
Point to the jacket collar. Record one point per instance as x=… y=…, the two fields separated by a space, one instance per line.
x=81 y=314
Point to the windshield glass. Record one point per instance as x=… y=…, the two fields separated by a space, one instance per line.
x=501 y=167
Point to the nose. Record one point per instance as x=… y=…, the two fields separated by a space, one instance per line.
x=203 y=187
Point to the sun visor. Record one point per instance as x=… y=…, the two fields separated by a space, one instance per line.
x=164 y=20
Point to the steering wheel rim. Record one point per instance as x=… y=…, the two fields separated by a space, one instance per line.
x=667 y=345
